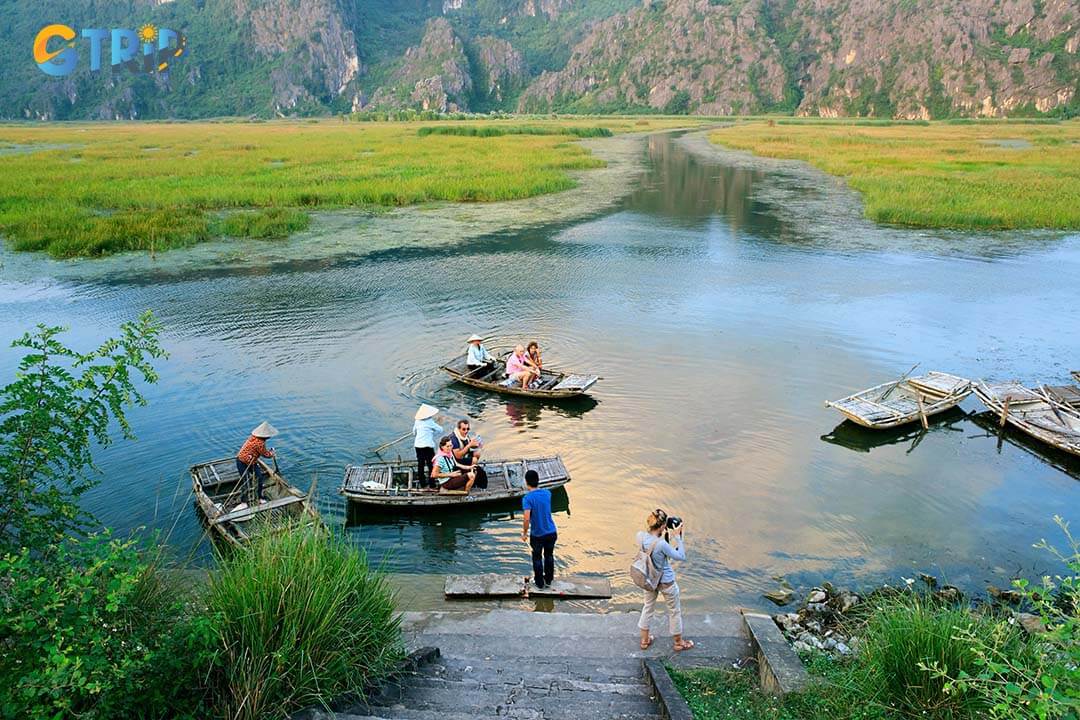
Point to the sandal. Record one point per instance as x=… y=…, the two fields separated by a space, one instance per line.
x=685 y=645
x=646 y=644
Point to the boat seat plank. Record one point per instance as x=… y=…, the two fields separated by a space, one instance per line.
x=938 y=383
x=1068 y=394
x=577 y=382
x=248 y=512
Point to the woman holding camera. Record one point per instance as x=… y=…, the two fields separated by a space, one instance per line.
x=662 y=551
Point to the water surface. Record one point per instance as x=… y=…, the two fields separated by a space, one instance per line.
x=722 y=301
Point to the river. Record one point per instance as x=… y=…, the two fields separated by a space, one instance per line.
x=723 y=299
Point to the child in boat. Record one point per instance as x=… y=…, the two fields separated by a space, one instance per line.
x=247 y=459
x=447 y=472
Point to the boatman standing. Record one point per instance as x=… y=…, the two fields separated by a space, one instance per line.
x=247 y=460
x=427 y=431
x=477 y=355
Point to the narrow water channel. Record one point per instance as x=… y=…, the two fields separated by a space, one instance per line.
x=723 y=301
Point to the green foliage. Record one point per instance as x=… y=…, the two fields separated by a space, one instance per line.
x=60 y=405
x=90 y=629
x=302 y=619
x=679 y=104
x=1043 y=682
x=268 y=223
x=905 y=635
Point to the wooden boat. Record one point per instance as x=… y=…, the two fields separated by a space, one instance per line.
x=1035 y=412
x=991 y=423
x=1076 y=375
x=551 y=386
x=902 y=401
x=393 y=484
x=234 y=513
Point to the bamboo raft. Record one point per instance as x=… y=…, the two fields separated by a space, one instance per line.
x=393 y=484
x=903 y=401
x=551 y=385
x=1038 y=412
x=234 y=513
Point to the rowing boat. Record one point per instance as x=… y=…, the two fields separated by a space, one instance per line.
x=394 y=484
x=902 y=401
x=231 y=509
x=1036 y=412
x=492 y=376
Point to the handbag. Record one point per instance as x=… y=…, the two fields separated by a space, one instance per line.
x=643 y=572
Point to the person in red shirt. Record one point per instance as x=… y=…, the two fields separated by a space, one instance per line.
x=247 y=460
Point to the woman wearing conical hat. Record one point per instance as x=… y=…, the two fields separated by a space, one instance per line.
x=247 y=460
x=426 y=430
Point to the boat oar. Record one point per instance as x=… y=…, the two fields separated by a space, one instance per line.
x=1053 y=406
x=395 y=441
x=897 y=383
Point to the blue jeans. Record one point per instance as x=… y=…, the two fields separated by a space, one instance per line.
x=543 y=558
x=243 y=469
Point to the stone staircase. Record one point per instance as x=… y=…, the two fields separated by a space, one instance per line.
x=541 y=666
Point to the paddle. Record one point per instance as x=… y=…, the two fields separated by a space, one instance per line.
x=395 y=441
x=897 y=383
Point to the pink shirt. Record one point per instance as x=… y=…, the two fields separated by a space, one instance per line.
x=515 y=364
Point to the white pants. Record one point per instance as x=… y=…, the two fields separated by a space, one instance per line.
x=671 y=596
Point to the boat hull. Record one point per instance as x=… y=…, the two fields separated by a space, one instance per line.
x=911 y=401
x=558 y=386
x=1032 y=414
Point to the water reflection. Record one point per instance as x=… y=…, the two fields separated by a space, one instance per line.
x=991 y=424
x=863 y=439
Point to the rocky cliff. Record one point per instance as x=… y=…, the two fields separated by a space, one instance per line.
x=907 y=58
x=882 y=58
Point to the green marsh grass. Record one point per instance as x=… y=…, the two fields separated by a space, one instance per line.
x=939 y=175
x=302 y=618
x=268 y=223
x=97 y=189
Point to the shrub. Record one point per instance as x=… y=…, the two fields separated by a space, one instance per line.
x=1045 y=681
x=908 y=634
x=91 y=629
x=302 y=619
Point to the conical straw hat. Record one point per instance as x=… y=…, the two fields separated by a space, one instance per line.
x=426 y=411
x=265 y=430
x=475 y=338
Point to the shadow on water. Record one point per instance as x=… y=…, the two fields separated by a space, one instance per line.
x=862 y=439
x=1063 y=461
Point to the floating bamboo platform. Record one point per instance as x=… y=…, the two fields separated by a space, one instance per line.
x=551 y=386
x=1037 y=412
x=231 y=508
x=903 y=401
x=394 y=484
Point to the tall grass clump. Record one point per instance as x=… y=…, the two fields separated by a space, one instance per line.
x=908 y=634
x=500 y=130
x=302 y=618
x=271 y=223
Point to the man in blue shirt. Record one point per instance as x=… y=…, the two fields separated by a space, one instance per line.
x=538 y=529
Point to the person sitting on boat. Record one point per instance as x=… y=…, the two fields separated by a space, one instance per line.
x=466 y=451
x=247 y=460
x=532 y=352
x=518 y=368
x=477 y=355
x=447 y=472
x=426 y=431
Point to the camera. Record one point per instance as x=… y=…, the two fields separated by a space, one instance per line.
x=673 y=522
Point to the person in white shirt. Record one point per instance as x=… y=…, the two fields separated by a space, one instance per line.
x=426 y=431
x=477 y=355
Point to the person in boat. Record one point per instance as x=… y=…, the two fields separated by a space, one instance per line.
x=518 y=368
x=661 y=553
x=447 y=472
x=425 y=430
x=467 y=449
x=254 y=448
x=538 y=529
x=532 y=352
x=477 y=356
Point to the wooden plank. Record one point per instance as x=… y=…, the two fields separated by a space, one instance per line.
x=577 y=382
x=488 y=585
x=238 y=515
x=573 y=586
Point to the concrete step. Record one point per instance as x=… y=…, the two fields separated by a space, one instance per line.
x=512 y=713
x=533 y=709
x=551 y=684
x=604 y=670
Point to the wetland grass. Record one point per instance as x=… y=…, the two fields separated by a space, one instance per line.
x=98 y=189
x=981 y=175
